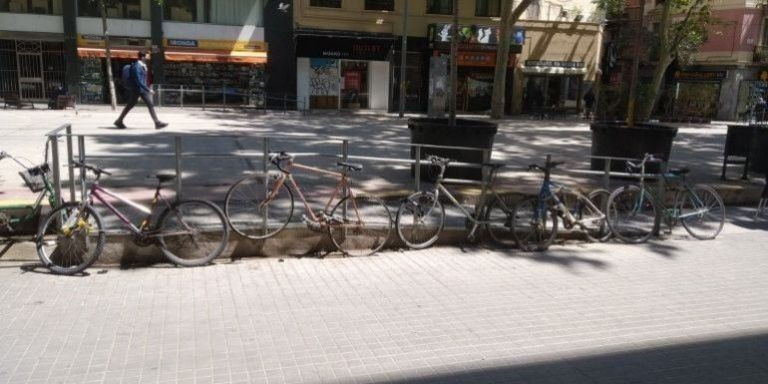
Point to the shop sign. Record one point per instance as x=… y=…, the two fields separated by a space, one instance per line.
x=554 y=64
x=218 y=45
x=481 y=59
x=97 y=41
x=700 y=75
x=343 y=48
x=182 y=43
x=474 y=37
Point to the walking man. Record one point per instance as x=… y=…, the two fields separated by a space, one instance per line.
x=589 y=103
x=137 y=87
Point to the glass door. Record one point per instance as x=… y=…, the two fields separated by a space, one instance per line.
x=354 y=84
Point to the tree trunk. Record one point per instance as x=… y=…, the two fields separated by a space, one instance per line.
x=664 y=60
x=108 y=54
x=510 y=16
x=454 y=63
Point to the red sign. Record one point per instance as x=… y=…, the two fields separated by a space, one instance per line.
x=352 y=80
x=482 y=59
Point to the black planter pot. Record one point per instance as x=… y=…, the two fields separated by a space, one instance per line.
x=466 y=133
x=758 y=159
x=615 y=139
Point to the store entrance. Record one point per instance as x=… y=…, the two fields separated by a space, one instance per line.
x=354 y=84
x=552 y=93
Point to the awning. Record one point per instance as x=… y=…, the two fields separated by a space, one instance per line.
x=118 y=53
x=241 y=57
x=534 y=70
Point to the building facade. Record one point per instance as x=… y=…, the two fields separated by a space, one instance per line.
x=49 y=45
x=348 y=54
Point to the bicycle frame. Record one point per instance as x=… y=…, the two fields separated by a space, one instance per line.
x=97 y=192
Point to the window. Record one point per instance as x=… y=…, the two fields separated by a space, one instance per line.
x=325 y=3
x=488 y=8
x=440 y=7
x=180 y=10
x=41 y=7
x=126 y=9
x=379 y=5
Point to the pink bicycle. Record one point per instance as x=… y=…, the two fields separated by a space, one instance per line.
x=259 y=207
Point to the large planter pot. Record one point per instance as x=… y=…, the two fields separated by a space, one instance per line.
x=616 y=139
x=758 y=158
x=466 y=133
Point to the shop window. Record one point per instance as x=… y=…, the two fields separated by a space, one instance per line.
x=40 y=7
x=379 y=5
x=440 y=7
x=127 y=9
x=180 y=10
x=325 y=3
x=233 y=12
x=488 y=8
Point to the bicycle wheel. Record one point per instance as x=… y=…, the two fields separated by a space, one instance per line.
x=420 y=220
x=701 y=211
x=533 y=230
x=70 y=239
x=595 y=225
x=499 y=216
x=192 y=232
x=247 y=210
x=632 y=214
x=360 y=225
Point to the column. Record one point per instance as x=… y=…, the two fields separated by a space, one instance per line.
x=69 y=11
x=158 y=51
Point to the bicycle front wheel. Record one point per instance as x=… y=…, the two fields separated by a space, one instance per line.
x=594 y=221
x=252 y=214
x=632 y=214
x=420 y=220
x=499 y=221
x=534 y=226
x=192 y=232
x=702 y=212
x=70 y=239
x=360 y=225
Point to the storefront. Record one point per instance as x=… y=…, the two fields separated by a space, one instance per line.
x=476 y=65
x=33 y=69
x=342 y=70
x=552 y=86
x=697 y=93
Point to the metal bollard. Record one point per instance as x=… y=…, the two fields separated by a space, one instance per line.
x=56 y=170
x=203 y=92
x=70 y=159
x=417 y=171
x=181 y=96
x=264 y=166
x=607 y=174
x=81 y=158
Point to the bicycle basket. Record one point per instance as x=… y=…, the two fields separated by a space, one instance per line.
x=35 y=177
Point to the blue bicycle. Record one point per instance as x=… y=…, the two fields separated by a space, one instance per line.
x=535 y=219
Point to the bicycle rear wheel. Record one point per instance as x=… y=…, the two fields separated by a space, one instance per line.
x=420 y=220
x=192 y=232
x=247 y=210
x=701 y=211
x=70 y=239
x=360 y=225
x=499 y=221
x=534 y=229
x=632 y=214
x=596 y=229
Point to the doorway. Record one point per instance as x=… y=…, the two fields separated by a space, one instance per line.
x=354 y=84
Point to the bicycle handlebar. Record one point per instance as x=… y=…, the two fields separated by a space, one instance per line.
x=277 y=158
x=647 y=158
x=437 y=160
x=549 y=166
x=3 y=155
x=98 y=171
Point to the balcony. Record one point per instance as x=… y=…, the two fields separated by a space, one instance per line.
x=761 y=54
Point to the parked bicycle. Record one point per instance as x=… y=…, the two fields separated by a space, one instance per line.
x=421 y=216
x=635 y=211
x=188 y=232
x=38 y=180
x=260 y=206
x=535 y=219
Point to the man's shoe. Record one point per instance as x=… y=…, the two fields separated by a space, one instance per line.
x=160 y=125
x=119 y=124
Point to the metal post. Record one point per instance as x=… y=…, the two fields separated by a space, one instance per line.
x=181 y=91
x=177 y=145
x=223 y=98
x=56 y=173
x=417 y=171
x=607 y=174
x=403 y=54
x=160 y=95
x=203 y=97
x=81 y=158
x=70 y=159
x=264 y=165
x=344 y=192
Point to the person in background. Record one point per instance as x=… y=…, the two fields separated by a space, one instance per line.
x=136 y=86
x=589 y=103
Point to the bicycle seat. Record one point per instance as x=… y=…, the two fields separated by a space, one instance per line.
x=163 y=177
x=679 y=171
x=350 y=166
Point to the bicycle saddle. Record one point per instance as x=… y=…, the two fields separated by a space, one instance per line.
x=163 y=177
x=679 y=171
x=350 y=166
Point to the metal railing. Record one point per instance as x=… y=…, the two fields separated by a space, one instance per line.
x=201 y=96
x=178 y=154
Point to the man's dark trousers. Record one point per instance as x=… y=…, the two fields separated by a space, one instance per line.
x=133 y=98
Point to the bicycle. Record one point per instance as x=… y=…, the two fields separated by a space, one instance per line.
x=635 y=211
x=535 y=219
x=38 y=179
x=260 y=206
x=188 y=232
x=421 y=216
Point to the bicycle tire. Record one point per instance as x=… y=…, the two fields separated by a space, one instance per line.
x=242 y=208
x=600 y=233
x=499 y=216
x=416 y=228
x=66 y=257
x=714 y=208
x=629 y=221
x=533 y=235
x=200 y=221
x=363 y=228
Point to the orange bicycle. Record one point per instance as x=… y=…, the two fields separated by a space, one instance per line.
x=260 y=206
